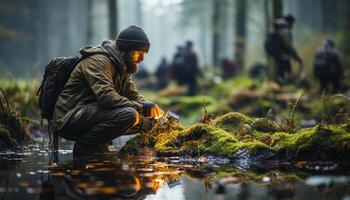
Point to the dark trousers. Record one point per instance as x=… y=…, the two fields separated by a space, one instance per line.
x=94 y=125
x=331 y=80
x=283 y=68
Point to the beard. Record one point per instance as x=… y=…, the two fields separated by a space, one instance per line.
x=131 y=68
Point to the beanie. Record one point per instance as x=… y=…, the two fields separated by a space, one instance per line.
x=133 y=38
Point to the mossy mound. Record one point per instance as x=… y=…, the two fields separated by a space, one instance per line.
x=319 y=142
x=192 y=140
x=222 y=138
x=264 y=125
x=233 y=121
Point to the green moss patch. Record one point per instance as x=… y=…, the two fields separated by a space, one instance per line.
x=224 y=137
x=233 y=121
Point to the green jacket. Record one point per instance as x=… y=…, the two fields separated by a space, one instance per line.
x=96 y=79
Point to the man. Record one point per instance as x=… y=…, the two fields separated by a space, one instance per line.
x=162 y=74
x=280 y=47
x=327 y=66
x=191 y=64
x=185 y=69
x=290 y=23
x=100 y=102
x=228 y=68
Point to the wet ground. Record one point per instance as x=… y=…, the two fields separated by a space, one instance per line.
x=33 y=175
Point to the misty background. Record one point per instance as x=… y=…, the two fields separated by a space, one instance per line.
x=33 y=32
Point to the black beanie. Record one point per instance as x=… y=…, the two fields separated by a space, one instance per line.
x=133 y=38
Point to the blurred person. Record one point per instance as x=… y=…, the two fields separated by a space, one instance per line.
x=327 y=66
x=143 y=78
x=258 y=70
x=228 y=68
x=162 y=74
x=100 y=101
x=185 y=69
x=177 y=65
x=280 y=47
x=290 y=24
x=142 y=73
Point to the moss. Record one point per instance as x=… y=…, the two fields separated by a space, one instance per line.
x=225 y=89
x=201 y=138
x=315 y=143
x=318 y=142
x=233 y=121
x=264 y=125
x=253 y=146
x=167 y=142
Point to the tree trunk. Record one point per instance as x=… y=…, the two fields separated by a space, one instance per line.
x=216 y=36
x=139 y=13
x=345 y=28
x=89 y=22
x=241 y=33
x=277 y=8
x=267 y=16
x=113 y=18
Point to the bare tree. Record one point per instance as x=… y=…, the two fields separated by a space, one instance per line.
x=216 y=35
x=89 y=21
x=241 y=33
x=277 y=8
x=138 y=10
x=113 y=18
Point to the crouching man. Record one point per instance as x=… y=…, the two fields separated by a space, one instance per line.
x=100 y=102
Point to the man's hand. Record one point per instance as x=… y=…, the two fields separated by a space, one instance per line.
x=146 y=125
x=152 y=110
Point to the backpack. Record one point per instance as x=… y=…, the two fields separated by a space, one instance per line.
x=273 y=46
x=56 y=75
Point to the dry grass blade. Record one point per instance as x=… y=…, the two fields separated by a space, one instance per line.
x=7 y=103
x=206 y=117
x=292 y=122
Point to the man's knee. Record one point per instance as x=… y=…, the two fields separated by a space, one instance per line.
x=128 y=115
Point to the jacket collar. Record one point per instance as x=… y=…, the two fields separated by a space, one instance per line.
x=115 y=56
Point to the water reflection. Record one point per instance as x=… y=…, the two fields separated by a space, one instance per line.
x=31 y=176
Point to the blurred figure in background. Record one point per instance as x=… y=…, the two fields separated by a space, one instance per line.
x=185 y=68
x=143 y=78
x=176 y=65
x=327 y=66
x=228 y=68
x=280 y=47
x=290 y=23
x=258 y=70
x=162 y=74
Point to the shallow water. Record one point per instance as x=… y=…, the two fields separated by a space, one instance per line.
x=32 y=175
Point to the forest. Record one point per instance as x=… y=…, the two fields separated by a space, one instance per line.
x=184 y=99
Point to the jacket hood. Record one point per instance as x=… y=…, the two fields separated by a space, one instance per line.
x=109 y=48
x=89 y=50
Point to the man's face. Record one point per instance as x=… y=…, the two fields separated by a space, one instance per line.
x=137 y=56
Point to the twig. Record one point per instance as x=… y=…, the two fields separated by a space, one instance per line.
x=205 y=119
x=324 y=108
x=204 y=106
x=293 y=110
x=7 y=103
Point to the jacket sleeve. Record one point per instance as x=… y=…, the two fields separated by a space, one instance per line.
x=98 y=73
x=133 y=94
